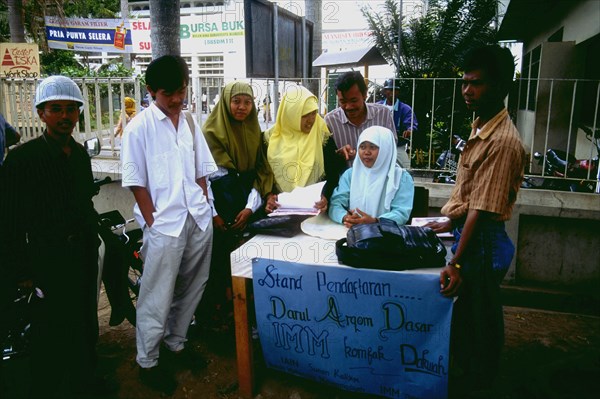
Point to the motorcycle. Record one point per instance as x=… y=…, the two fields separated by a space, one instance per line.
x=121 y=266
x=448 y=162
x=572 y=174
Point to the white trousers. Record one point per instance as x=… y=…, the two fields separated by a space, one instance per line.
x=176 y=270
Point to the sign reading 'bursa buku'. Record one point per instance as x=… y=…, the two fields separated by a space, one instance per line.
x=371 y=331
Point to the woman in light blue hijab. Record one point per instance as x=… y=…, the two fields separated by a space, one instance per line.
x=375 y=187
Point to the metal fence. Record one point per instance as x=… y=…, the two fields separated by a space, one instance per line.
x=561 y=114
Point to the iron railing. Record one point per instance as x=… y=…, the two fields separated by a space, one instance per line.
x=550 y=113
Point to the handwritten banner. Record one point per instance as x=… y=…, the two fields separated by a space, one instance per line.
x=368 y=331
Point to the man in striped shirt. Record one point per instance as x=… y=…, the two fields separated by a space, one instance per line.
x=490 y=172
x=354 y=115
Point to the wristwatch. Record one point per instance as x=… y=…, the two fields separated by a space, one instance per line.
x=454 y=264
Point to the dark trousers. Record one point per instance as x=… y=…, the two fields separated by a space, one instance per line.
x=64 y=327
x=477 y=334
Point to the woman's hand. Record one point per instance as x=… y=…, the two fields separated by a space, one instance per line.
x=321 y=205
x=272 y=203
x=357 y=217
x=219 y=223
x=241 y=219
x=347 y=152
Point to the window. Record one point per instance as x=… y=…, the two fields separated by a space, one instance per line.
x=530 y=75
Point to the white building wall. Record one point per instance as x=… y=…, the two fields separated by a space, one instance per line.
x=580 y=24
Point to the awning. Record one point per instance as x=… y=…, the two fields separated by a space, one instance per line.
x=351 y=58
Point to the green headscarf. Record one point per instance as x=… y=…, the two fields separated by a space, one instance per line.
x=237 y=145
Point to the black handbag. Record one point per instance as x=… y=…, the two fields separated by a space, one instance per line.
x=231 y=193
x=283 y=226
x=389 y=246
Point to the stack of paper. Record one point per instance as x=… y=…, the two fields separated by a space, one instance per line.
x=301 y=201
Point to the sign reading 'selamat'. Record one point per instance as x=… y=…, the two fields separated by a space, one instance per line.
x=200 y=33
x=370 y=331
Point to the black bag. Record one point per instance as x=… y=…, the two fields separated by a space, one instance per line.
x=284 y=226
x=231 y=193
x=388 y=246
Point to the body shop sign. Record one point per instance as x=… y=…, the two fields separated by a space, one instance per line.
x=19 y=60
x=369 y=331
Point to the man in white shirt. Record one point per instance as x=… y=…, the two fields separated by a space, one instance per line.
x=166 y=166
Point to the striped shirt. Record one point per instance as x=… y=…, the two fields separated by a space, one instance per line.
x=490 y=170
x=345 y=132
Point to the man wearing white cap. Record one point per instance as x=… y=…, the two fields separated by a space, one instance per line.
x=50 y=243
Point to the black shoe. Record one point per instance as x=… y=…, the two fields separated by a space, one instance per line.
x=186 y=358
x=103 y=386
x=158 y=379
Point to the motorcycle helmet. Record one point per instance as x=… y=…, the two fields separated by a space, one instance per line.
x=55 y=88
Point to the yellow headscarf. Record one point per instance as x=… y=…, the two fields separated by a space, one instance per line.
x=237 y=145
x=130 y=109
x=295 y=157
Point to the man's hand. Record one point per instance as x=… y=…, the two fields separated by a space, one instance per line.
x=406 y=134
x=347 y=152
x=450 y=281
x=440 y=227
x=219 y=223
x=241 y=219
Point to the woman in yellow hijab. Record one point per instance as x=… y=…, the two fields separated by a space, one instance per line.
x=301 y=150
x=130 y=112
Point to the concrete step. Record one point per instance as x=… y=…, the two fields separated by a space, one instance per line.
x=568 y=301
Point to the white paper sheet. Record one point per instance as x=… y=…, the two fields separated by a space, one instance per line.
x=299 y=201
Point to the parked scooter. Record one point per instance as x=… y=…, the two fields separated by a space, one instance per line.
x=121 y=267
x=577 y=175
x=448 y=162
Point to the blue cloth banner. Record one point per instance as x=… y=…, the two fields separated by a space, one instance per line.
x=371 y=331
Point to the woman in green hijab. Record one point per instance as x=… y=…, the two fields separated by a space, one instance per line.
x=239 y=185
x=234 y=137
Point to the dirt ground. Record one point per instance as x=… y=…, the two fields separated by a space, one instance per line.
x=547 y=355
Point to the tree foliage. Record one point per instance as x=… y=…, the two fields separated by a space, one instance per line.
x=4 y=27
x=434 y=43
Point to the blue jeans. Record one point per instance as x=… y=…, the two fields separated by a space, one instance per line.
x=477 y=322
x=491 y=245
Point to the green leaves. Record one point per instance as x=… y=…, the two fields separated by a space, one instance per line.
x=434 y=42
